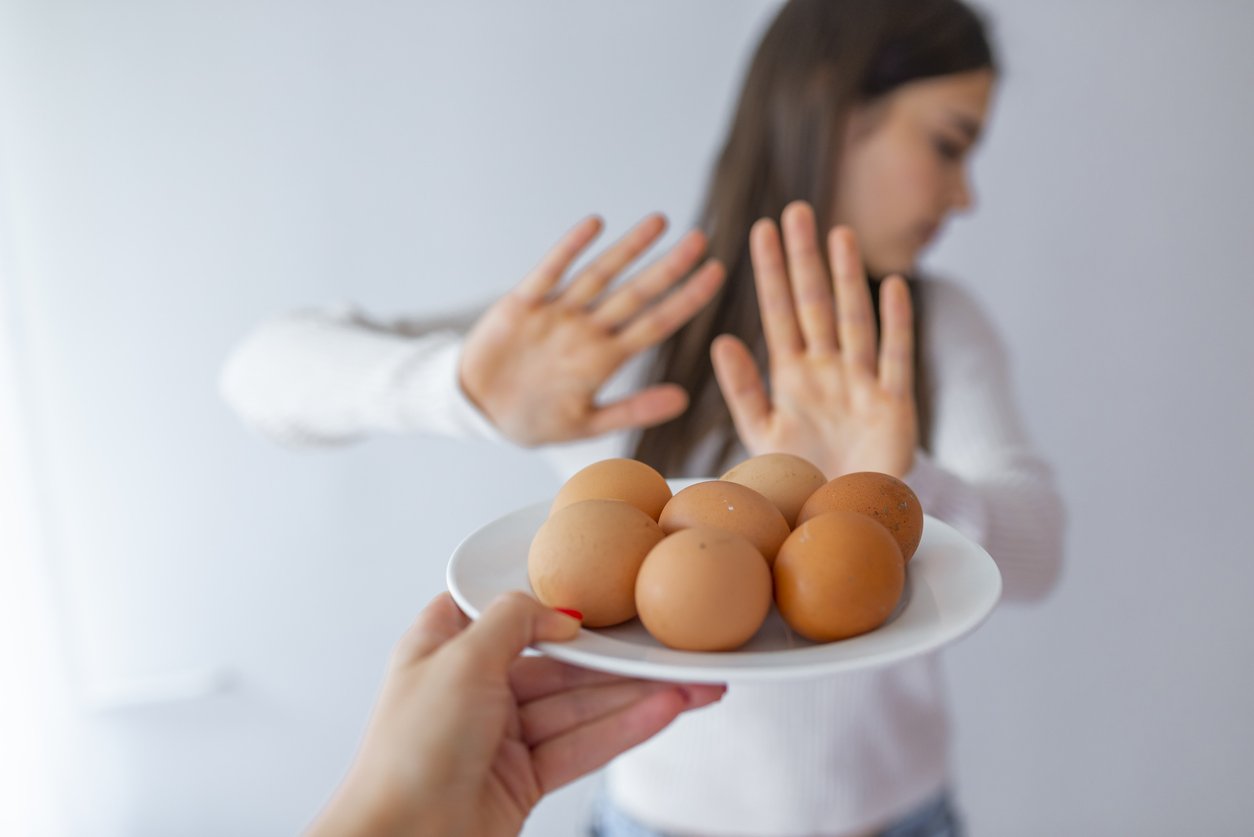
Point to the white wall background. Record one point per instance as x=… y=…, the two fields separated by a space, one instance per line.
x=173 y=173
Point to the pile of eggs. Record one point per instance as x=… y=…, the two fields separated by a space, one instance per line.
x=701 y=567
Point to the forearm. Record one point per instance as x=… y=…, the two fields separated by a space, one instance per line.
x=1013 y=510
x=361 y=809
x=982 y=474
x=325 y=378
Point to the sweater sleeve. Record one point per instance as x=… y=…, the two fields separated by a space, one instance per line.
x=982 y=475
x=327 y=377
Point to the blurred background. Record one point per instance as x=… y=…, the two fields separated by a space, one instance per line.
x=194 y=621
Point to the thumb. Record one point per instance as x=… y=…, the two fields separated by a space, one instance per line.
x=508 y=625
x=439 y=622
x=741 y=384
x=644 y=409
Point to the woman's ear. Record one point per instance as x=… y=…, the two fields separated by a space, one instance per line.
x=864 y=118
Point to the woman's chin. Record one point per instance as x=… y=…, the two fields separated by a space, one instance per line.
x=900 y=266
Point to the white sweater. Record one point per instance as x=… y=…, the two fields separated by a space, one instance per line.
x=833 y=756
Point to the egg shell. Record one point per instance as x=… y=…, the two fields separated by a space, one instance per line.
x=838 y=575
x=628 y=480
x=703 y=589
x=731 y=506
x=784 y=479
x=880 y=496
x=586 y=557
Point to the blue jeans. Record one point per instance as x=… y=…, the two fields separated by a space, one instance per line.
x=934 y=818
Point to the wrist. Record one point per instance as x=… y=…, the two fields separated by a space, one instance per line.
x=363 y=807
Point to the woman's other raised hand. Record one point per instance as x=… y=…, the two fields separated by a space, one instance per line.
x=535 y=361
x=839 y=396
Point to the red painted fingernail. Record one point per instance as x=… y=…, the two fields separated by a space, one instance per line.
x=571 y=612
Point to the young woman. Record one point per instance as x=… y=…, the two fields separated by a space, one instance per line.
x=857 y=117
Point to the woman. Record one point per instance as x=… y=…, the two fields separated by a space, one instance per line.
x=858 y=113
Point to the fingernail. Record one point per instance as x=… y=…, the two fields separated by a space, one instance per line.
x=690 y=697
x=571 y=612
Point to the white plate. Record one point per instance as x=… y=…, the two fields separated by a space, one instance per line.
x=952 y=585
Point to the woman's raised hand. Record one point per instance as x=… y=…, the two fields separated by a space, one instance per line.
x=838 y=396
x=535 y=361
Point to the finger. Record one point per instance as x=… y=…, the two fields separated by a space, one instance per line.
x=507 y=626
x=621 y=304
x=536 y=677
x=581 y=750
x=770 y=274
x=854 y=315
x=897 y=349
x=741 y=384
x=643 y=409
x=563 y=711
x=669 y=315
x=439 y=621
x=546 y=275
x=601 y=272
x=811 y=282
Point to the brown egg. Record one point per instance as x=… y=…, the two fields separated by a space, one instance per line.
x=730 y=506
x=838 y=575
x=703 y=589
x=586 y=556
x=881 y=496
x=617 y=479
x=782 y=478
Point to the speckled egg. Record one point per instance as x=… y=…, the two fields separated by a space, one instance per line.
x=730 y=506
x=784 y=479
x=586 y=557
x=839 y=574
x=881 y=497
x=628 y=480
x=703 y=589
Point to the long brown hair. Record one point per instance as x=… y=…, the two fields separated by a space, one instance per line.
x=817 y=60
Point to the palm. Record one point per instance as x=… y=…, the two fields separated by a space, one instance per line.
x=837 y=398
x=511 y=790
x=511 y=785
x=537 y=359
x=825 y=414
x=545 y=726
x=546 y=364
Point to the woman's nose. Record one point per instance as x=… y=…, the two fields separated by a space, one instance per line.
x=962 y=198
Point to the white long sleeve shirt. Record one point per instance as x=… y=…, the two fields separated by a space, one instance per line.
x=833 y=756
